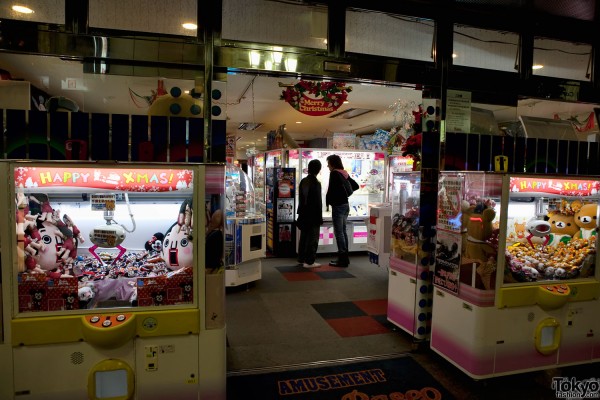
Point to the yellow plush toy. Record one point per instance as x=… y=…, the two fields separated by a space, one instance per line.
x=587 y=221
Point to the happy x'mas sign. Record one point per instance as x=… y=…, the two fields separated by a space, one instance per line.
x=316 y=98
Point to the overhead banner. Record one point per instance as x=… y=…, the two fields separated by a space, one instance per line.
x=316 y=98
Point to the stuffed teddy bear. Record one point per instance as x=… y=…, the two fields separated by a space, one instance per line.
x=478 y=238
x=562 y=227
x=586 y=220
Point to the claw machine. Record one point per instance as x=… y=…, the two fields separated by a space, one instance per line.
x=379 y=221
x=367 y=168
x=516 y=281
x=245 y=230
x=256 y=172
x=103 y=281
x=409 y=299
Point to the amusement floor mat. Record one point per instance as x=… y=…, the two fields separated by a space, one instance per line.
x=392 y=378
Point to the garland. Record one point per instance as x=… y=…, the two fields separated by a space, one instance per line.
x=332 y=93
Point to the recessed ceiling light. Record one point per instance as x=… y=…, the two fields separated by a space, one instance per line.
x=454 y=55
x=346 y=102
x=537 y=66
x=190 y=26
x=298 y=122
x=22 y=9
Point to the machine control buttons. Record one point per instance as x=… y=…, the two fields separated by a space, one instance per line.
x=94 y=319
x=107 y=323
x=120 y=317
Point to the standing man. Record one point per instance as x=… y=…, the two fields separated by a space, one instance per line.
x=337 y=198
x=310 y=215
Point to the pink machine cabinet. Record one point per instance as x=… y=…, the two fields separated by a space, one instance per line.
x=107 y=290
x=516 y=280
x=409 y=297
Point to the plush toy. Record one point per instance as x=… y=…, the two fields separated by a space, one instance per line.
x=562 y=227
x=586 y=220
x=479 y=229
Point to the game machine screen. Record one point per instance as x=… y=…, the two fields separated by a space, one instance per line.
x=108 y=284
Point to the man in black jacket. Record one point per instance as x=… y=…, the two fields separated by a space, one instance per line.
x=310 y=215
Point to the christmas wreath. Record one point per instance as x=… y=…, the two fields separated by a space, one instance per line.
x=332 y=93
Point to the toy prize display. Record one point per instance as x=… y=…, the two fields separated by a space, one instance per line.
x=515 y=276
x=256 y=172
x=409 y=299
x=105 y=260
x=367 y=168
x=245 y=230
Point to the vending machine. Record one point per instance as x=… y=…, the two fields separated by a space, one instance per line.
x=367 y=168
x=245 y=230
x=409 y=297
x=516 y=280
x=281 y=205
x=106 y=289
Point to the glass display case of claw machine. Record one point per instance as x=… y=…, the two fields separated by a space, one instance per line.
x=396 y=164
x=256 y=172
x=107 y=285
x=275 y=158
x=406 y=301
x=367 y=168
x=516 y=276
x=245 y=230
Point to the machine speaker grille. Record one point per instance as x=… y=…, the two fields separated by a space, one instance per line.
x=77 y=357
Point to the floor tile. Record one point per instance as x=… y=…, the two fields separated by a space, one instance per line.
x=301 y=276
x=357 y=326
x=333 y=274
x=342 y=309
x=290 y=268
x=373 y=307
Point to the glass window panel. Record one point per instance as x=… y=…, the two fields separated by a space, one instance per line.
x=48 y=11
x=483 y=48
x=388 y=35
x=275 y=22
x=165 y=17
x=580 y=9
x=560 y=59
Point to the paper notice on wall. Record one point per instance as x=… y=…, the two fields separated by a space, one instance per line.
x=458 y=111
x=344 y=141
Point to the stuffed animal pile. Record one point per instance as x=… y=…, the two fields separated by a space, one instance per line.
x=567 y=251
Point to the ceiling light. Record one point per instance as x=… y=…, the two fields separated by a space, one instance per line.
x=298 y=122
x=190 y=26
x=291 y=64
x=268 y=64
x=254 y=58
x=277 y=54
x=454 y=55
x=22 y=9
x=537 y=66
x=346 y=102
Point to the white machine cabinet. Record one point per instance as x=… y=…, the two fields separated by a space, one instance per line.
x=245 y=230
x=516 y=276
x=379 y=229
x=105 y=293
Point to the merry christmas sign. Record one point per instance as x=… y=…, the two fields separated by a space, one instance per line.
x=316 y=98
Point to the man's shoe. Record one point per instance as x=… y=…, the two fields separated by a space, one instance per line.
x=313 y=265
